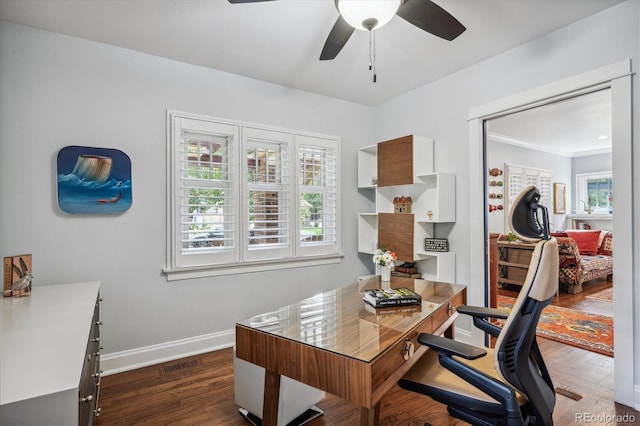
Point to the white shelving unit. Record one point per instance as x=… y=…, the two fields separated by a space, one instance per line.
x=433 y=202
x=368 y=167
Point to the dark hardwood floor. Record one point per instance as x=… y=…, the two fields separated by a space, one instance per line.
x=199 y=391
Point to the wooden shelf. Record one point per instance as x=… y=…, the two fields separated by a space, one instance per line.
x=404 y=167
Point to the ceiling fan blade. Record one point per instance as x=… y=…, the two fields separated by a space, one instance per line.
x=338 y=37
x=431 y=18
x=246 y=1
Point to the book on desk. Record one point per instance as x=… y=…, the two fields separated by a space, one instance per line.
x=383 y=297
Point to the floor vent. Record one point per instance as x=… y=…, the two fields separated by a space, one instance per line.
x=568 y=394
x=179 y=366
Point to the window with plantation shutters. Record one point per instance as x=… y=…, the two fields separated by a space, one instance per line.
x=317 y=189
x=245 y=199
x=267 y=195
x=519 y=177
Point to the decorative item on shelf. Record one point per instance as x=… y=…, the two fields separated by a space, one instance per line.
x=429 y=215
x=374 y=180
x=495 y=172
x=511 y=237
x=17 y=276
x=495 y=195
x=495 y=207
x=384 y=258
x=402 y=204
x=436 y=244
x=588 y=208
x=495 y=183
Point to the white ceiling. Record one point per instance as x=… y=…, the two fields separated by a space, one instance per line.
x=280 y=42
x=574 y=127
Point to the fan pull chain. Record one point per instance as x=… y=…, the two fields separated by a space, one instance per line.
x=370 y=63
x=372 y=54
x=375 y=77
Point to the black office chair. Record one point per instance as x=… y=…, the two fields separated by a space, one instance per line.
x=510 y=384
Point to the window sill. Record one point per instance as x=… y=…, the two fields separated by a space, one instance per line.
x=175 y=274
x=590 y=216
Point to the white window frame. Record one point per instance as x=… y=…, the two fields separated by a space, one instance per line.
x=581 y=190
x=241 y=258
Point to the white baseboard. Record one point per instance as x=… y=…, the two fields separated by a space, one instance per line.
x=131 y=359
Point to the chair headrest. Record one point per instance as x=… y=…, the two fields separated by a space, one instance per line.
x=524 y=219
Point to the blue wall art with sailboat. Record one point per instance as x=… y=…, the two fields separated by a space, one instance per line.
x=93 y=180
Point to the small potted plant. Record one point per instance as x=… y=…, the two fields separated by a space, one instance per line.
x=384 y=258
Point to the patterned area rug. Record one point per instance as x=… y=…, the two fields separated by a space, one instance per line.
x=606 y=294
x=592 y=332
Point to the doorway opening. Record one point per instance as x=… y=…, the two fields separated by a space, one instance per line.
x=617 y=77
x=554 y=146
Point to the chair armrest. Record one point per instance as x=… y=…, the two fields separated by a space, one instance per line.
x=449 y=347
x=482 y=312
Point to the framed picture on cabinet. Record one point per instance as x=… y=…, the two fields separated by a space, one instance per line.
x=559 y=198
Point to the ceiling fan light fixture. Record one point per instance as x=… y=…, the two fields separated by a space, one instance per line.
x=367 y=15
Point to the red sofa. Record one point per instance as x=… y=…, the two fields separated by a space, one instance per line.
x=584 y=255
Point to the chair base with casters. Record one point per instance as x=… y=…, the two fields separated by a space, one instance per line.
x=508 y=385
x=297 y=400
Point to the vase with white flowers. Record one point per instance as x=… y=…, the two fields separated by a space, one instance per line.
x=384 y=258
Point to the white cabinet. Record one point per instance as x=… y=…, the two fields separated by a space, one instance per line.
x=433 y=201
x=49 y=363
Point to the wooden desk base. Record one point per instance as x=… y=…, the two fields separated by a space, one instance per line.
x=370 y=357
x=369 y=416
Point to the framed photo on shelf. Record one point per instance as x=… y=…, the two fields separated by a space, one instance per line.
x=559 y=198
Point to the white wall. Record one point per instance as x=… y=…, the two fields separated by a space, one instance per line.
x=57 y=91
x=500 y=153
x=441 y=110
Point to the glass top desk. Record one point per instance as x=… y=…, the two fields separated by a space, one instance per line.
x=335 y=342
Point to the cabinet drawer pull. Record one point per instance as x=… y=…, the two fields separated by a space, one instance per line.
x=97 y=323
x=87 y=399
x=450 y=309
x=408 y=349
x=97 y=339
x=97 y=412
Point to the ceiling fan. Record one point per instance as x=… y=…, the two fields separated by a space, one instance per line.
x=373 y=14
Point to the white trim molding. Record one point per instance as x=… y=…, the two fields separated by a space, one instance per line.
x=132 y=359
x=617 y=77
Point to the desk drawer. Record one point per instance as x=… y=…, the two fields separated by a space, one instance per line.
x=389 y=362
x=444 y=312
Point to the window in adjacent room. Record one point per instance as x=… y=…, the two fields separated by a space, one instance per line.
x=519 y=177
x=594 y=191
x=243 y=198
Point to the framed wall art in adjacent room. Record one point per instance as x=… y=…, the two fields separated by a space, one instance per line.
x=559 y=198
x=93 y=180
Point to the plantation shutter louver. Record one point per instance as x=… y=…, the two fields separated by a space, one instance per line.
x=519 y=177
x=317 y=188
x=267 y=194
x=205 y=225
